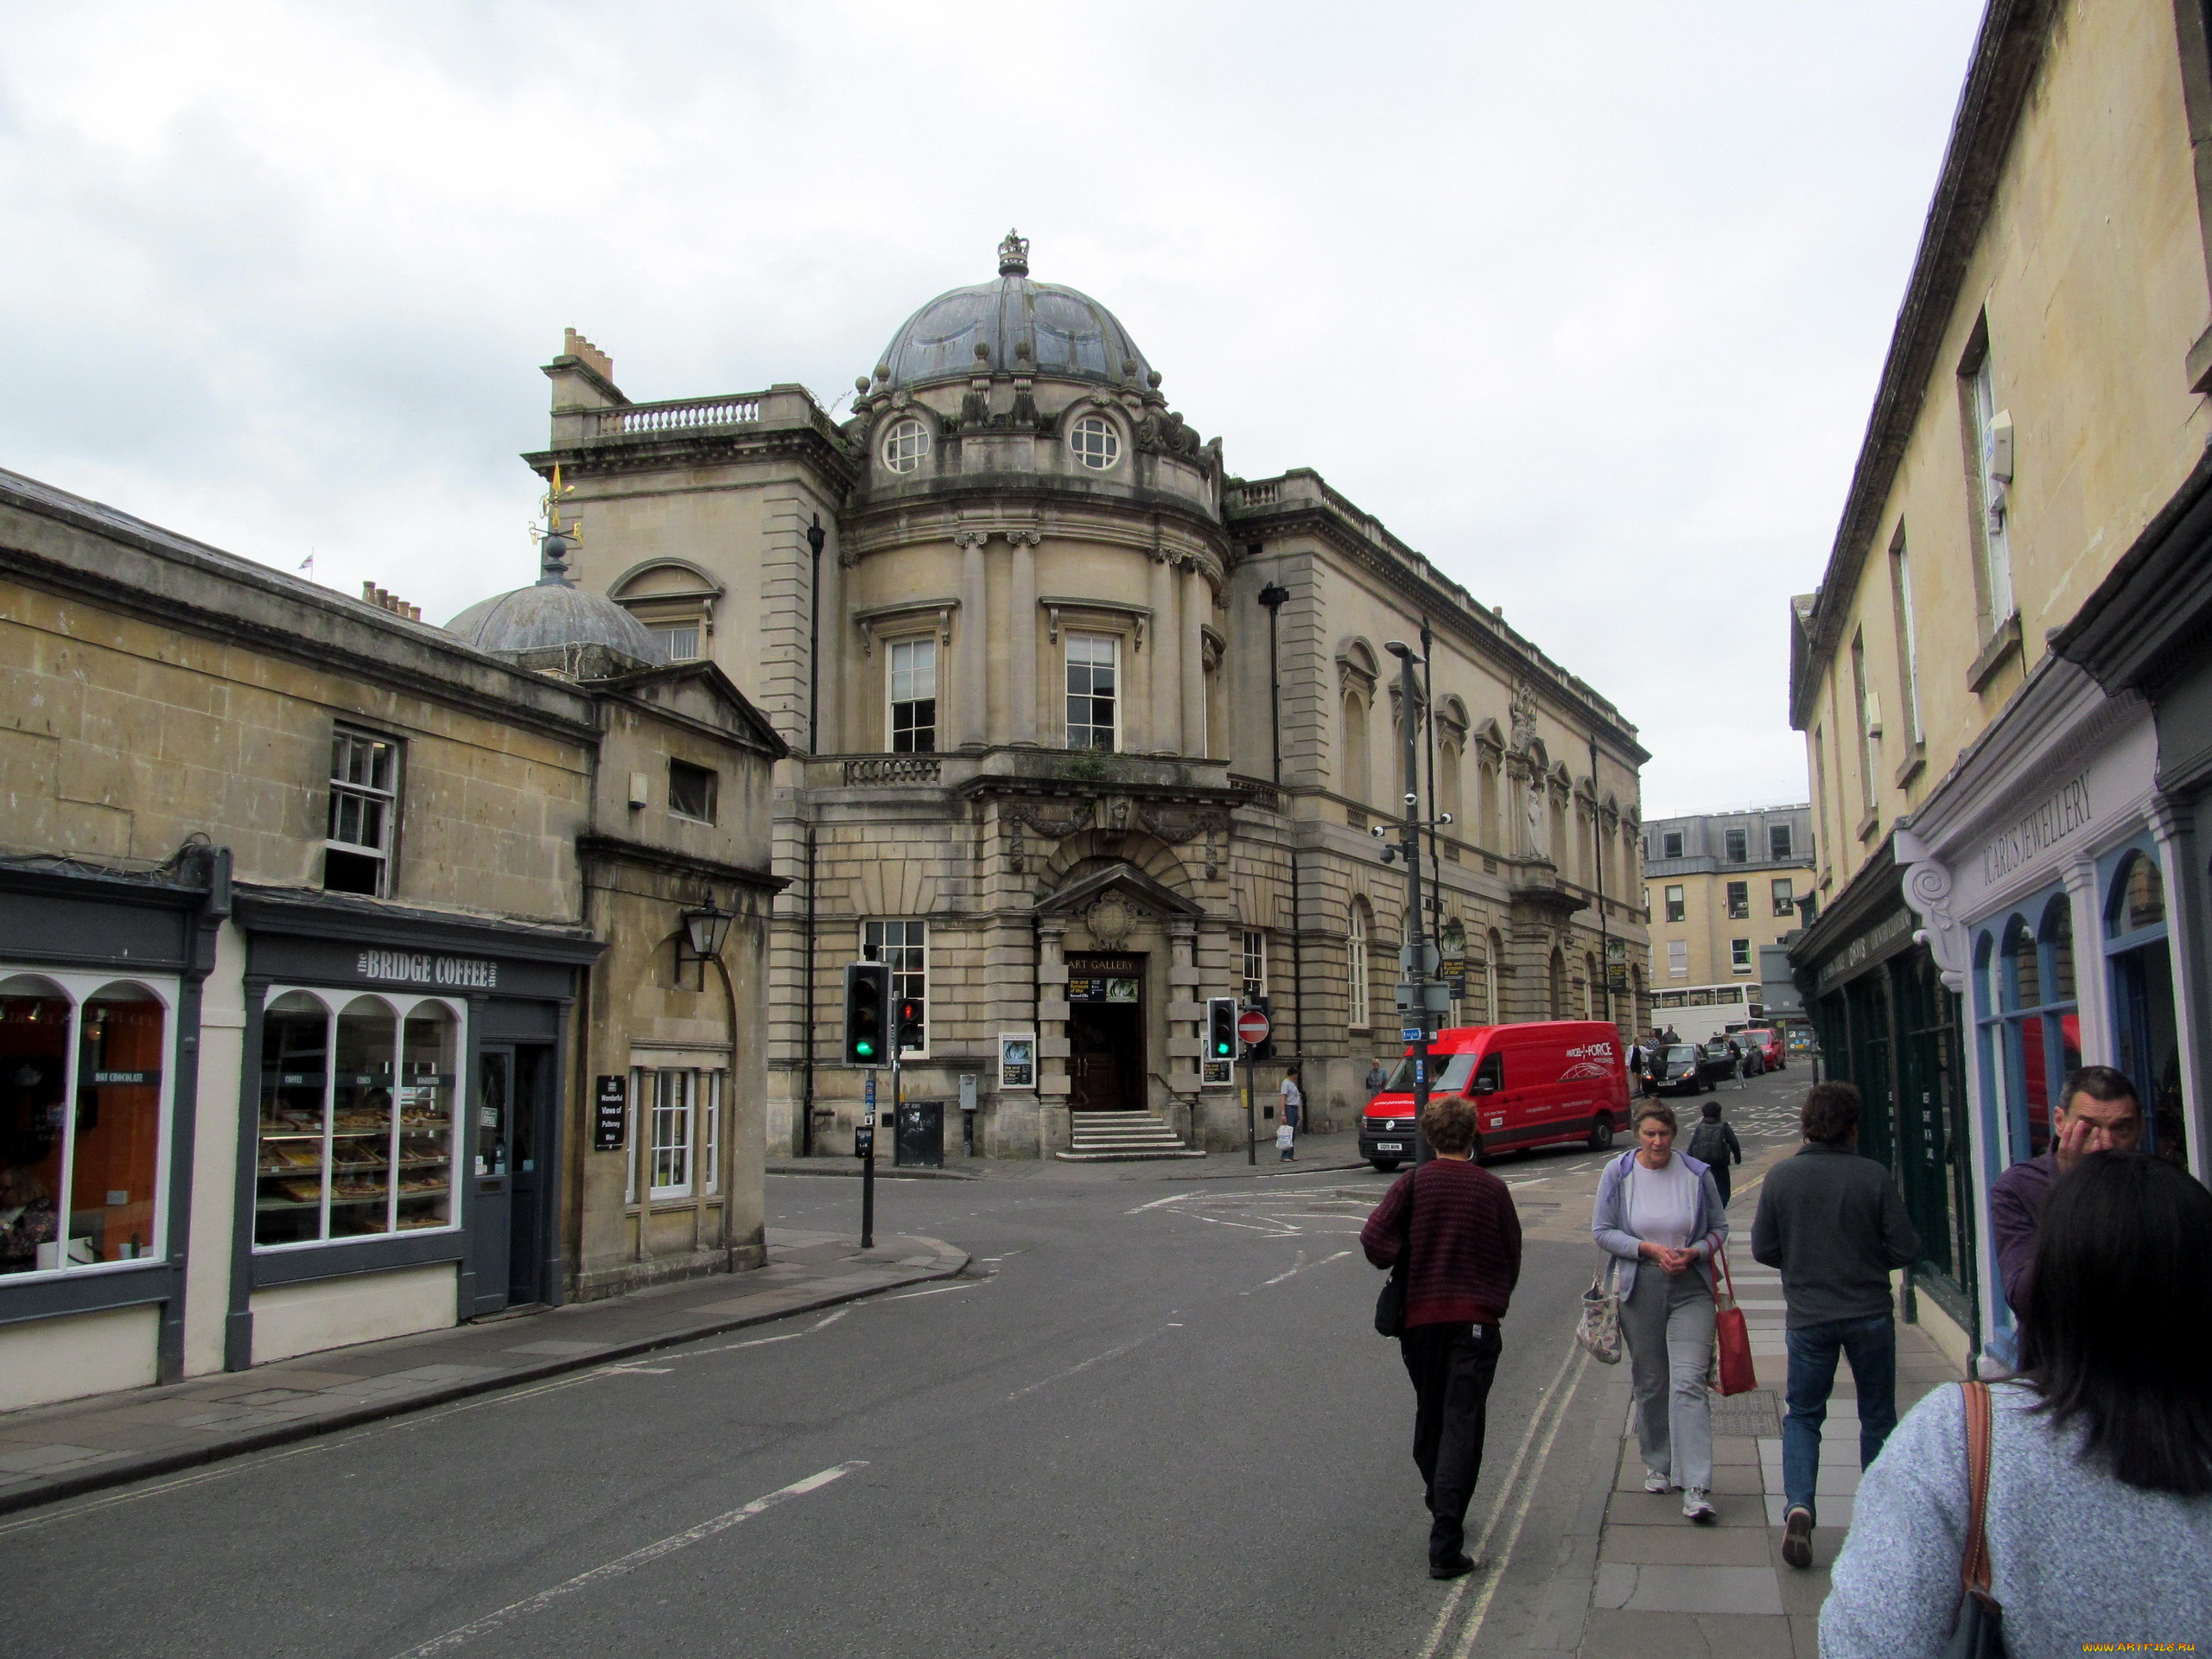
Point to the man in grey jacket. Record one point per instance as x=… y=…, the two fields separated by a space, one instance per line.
x=1834 y=1223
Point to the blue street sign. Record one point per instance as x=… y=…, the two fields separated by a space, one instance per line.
x=1411 y=1033
x=869 y=1094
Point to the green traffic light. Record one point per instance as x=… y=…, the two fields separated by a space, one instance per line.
x=864 y=1048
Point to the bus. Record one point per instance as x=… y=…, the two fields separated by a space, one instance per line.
x=1698 y=1013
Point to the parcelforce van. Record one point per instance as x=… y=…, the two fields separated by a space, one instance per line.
x=1534 y=1085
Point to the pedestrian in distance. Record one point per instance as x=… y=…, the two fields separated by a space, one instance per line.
x=1293 y=1099
x=2099 y=1511
x=2097 y=1112
x=1714 y=1143
x=1462 y=1244
x=1376 y=1077
x=1659 y=1211
x=1668 y=1036
x=1736 y=1062
x=1834 y=1224
x=1635 y=1059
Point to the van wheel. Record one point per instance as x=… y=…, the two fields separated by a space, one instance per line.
x=1601 y=1133
x=1388 y=1165
x=1477 y=1152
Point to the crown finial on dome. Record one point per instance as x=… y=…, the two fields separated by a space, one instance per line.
x=1013 y=255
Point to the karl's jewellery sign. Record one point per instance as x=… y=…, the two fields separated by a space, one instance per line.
x=413 y=969
x=2040 y=828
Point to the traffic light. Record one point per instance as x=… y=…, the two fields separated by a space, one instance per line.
x=910 y=1023
x=1221 y=1027
x=864 y=1034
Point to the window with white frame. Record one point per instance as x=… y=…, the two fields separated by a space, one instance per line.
x=1677 y=905
x=1784 y=896
x=680 y=640
x=1094 y=691
x=1740 y=901
x=355 y=1131
x=1908 y=642
x=1777 y=841
x=364 y=811
x=1670 y=844
x=683 y=1108
x=1992 y=525
x=905 y=445
x=1095 y=443
x=1736 y=844
x=911 y=682
x=83 y=1188
x=1678 y=959
x=1255 y=964
x=1739 y=956
x=903 y=947
x=1356 y=989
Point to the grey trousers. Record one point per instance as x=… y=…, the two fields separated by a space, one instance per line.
x=1668 y=1326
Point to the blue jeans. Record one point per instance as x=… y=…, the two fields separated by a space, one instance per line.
x=1871 y=1345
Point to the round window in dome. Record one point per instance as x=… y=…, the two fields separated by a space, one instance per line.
x=905 y=445
x=1095 y=443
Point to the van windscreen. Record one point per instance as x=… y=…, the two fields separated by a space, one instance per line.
x=1457 y=1068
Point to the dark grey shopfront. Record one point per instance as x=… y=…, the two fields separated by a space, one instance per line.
x=402 y=1100
x=1888 y=1024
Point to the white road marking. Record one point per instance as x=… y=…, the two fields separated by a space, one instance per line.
x=762 y=1342
x=629 y=1563
x=935 y=1290
x=1179 y=1198
x=635 y=1371
x=1302 y=1265
x=1554 y=1406
x=1096 y=1359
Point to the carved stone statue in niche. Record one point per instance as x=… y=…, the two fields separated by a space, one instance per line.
x=1539 y=838
x=1525 y=716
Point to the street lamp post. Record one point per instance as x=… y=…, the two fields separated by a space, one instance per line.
x=1416 y=1016
x=1275 y=596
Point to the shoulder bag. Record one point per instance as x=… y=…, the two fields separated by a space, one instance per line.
x=1601 y=1329
x=1390 y=1301
x=1979 y=1631
x=1731 y=1338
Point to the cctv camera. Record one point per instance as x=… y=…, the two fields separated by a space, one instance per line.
x=1444 y=817
x=1376 y=831
x=1412 y=799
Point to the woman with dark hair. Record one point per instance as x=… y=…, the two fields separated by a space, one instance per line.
x=2100 y=1505
x=1660 y=1214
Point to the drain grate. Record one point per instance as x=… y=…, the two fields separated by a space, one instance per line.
x=1756 y=1414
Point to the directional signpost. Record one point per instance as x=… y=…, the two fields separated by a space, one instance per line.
x=1252 y=1028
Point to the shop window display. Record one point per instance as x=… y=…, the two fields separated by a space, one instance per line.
x=2147 y=1041
x=82 y=1116
x=356 y=1119
x=2031 y=1023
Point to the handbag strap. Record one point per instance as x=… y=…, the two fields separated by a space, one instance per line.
x=1974 y=1568
x=1720 y=1256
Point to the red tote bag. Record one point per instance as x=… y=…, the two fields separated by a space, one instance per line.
x=1731 y=1338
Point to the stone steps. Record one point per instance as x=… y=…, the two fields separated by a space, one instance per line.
x=1124 y=1137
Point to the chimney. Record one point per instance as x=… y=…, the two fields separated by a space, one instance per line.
x=575 y=345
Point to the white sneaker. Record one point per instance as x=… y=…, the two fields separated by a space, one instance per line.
x=1657 y=1483
x=1694 y=1508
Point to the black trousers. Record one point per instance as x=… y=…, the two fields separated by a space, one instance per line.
x=1452 y=1366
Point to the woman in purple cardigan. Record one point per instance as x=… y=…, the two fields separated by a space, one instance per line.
x=1659 y=1215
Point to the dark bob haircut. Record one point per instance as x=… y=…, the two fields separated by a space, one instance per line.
x=2117 y=1332
x=1831 y=1112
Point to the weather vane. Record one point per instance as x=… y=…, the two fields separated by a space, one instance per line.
x=550 y=501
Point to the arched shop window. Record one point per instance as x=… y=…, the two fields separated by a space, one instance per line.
x=83 y=1095
x=2145 y=1044
x=356 y=1118
x=2030 y=1021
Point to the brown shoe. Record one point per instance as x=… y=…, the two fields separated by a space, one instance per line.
x=1797 y=1536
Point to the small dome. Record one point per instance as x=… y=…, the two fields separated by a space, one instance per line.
x=1014 y=325
x=556 y=628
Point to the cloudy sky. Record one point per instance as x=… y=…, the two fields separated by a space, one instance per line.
x=1587 y=302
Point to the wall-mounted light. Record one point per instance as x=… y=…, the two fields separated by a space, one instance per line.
x=704 y=929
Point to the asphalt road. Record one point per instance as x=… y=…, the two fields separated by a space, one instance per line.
x=1154 y=1419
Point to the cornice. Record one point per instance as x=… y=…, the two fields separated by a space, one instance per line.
x=620 y=454
x=1445 y=611
x=616 y=849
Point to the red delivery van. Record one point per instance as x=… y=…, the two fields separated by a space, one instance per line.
x=1534 y=1085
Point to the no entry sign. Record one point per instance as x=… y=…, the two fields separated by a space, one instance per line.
x=1252 y=1027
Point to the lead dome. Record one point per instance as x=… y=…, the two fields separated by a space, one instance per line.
x=1022 y=324
x=556 y=628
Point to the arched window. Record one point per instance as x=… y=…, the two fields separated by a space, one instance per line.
x=1355 y=780
x=1491 y=965
x=1486 y=811
x=1589 y=986
x=1447 y=788
x=1356 y=968
x=1095 y=443
x=2138 y=957
x=2031 y=1025
x=1557 y=974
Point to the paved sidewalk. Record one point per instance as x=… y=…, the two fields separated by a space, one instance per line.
x=1667 y=1589
x=1323 y=1152
x=54 y=1451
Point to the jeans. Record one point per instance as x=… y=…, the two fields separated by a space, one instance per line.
x=1667 y=1323
x=1452 y=1366
x=1871 y=1344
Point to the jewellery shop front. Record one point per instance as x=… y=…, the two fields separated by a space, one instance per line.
x=399 y=1145
x=2039 y=872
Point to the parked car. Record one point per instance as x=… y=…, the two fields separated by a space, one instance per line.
x=1765 y=1042
x=1535 y=1084
x=1687 y=1069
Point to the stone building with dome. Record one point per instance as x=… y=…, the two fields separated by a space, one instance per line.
x=1086 y=730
